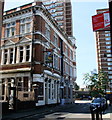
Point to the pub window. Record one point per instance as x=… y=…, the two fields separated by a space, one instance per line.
x=27 y=53
x=19 y=84
x=49 y=90
x=25 y=83
x=52 y=91
x=5 y=56
x=3 y=88
x=11 y=55
x=41 y=89
x=21 y=54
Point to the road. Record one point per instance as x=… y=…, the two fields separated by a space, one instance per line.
x=77 y=111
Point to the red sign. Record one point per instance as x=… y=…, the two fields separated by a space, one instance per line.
x=101 y=21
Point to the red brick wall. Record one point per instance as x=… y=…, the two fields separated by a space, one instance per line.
x=17 y=27
x=15 y=66
x=3 y=30
x=39 y=24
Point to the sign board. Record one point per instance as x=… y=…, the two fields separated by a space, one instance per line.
x=49 y=57
x=101 y=21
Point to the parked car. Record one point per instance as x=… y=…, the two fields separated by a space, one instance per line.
x=99 y=103
x=85 y=97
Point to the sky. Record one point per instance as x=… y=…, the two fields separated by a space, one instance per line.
x=82 y=30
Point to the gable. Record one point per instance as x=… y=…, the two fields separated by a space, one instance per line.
x=8 y=43
x=24 y=40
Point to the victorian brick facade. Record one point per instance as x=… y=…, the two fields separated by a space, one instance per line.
x=1 y=14
x=38 y=58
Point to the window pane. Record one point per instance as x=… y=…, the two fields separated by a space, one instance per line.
x=25 y=83
x=27 y=53
x=21 y=54
x=11 y=55
x=22 y=29
x=5 y=56
x=28 y=26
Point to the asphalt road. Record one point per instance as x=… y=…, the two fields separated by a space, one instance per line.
x=78 y=110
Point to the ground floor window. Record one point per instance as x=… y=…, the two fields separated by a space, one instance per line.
x=25 y=83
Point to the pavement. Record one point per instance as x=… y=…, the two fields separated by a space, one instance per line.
x=51 y=111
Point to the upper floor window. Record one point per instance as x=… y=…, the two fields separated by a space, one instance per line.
x=22 y=28
x=55 y=40
x=27 y=53
x=21 y=54
x=66 y=50
x=59 y=9
x=56 y=62
x=16 y=55
x=11 y=55
x=47 y=31
x=10 y=29
x=71 y=71
x=59 y=18
x=107 y=38
x=5 y=56
x=25 y=25
x=71 y=54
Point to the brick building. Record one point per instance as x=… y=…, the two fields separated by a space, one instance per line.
x=1 y=13
x=38 y=58
x=61 y=10
x=103 y=47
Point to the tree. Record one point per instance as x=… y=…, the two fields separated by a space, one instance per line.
x=96 y=83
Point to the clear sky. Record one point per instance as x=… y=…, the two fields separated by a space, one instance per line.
x=82 y=27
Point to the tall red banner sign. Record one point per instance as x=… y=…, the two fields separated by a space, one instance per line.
x=101 y=21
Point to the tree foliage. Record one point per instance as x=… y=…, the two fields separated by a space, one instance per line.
x=96 y=83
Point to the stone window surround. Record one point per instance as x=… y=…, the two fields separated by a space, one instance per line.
x=52 y=87
x=18 y=54
x=6 y=82
x=10 y=27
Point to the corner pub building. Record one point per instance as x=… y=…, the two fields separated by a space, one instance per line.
x=38 y=64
